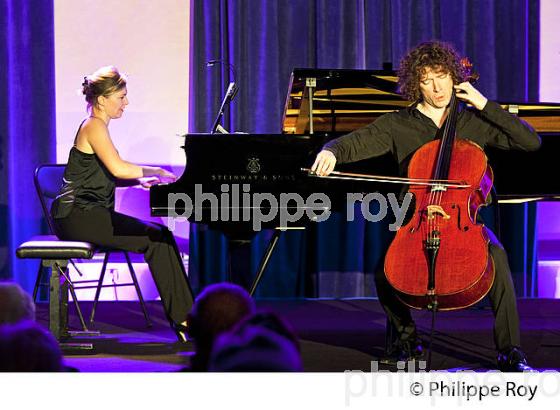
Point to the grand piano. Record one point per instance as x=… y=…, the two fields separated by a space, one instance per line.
x=322 y=104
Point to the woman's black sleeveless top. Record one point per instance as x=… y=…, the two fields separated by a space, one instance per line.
x=87 y=183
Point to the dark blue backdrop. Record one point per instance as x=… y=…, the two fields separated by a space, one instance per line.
x=266 y=39
x=27 y=125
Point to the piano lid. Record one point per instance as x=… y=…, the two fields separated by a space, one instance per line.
x=345 y=100
x=543 y=117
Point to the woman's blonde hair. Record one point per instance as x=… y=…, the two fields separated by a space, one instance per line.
x=104 y=82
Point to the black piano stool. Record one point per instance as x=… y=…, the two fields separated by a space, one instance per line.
x=54 y=255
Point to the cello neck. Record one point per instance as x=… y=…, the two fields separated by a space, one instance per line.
x=447 y=136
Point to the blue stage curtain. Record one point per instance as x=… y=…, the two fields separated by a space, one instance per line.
x=27 y=125
x=266 y=39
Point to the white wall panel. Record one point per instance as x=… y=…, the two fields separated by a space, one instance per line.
x=148 y=40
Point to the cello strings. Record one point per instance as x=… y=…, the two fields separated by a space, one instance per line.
x=442 y=170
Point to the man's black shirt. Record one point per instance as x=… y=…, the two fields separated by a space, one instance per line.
x=403 y=132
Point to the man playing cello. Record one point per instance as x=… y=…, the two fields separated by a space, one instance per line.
x=428 y=74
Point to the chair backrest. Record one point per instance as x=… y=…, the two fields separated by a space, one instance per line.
x=48 y=181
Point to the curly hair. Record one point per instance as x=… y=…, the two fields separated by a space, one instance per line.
x=431 y=54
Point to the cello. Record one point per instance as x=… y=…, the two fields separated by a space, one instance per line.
x=440 y=260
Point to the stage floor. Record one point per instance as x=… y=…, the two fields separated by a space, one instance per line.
x=336 y=335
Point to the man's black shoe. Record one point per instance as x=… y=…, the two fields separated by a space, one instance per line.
x=513 y=360
x=403 y=352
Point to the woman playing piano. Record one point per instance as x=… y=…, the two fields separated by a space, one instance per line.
x=84 y=208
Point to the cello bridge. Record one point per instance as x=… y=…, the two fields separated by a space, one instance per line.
x=434 y=210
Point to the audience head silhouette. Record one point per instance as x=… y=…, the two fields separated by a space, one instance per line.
x=262 y=343
x=15 y=304
x=216 y=310
x=27 y=347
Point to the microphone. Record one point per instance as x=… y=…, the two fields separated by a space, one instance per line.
x=212 y=63
x=232 y=88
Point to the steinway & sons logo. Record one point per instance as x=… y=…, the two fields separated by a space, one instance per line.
x=253 y=174
x=254 y=166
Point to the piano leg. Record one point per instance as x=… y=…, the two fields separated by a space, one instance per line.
x=239 y=262
x=264 y=261
x=239 y=259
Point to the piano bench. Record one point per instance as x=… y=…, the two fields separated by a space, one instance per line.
x=49 y=247
x=55 y=255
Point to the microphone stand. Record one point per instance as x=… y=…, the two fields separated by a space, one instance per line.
x=230 y=93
